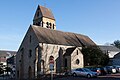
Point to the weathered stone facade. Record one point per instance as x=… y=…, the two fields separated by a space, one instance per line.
x=44 y=17
x=58 y=52
x=42 y=41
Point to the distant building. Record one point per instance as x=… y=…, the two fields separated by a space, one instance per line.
x=43 y=42
x=4 y=55
x=116 y=59
x=12 y=62
x=111 y=51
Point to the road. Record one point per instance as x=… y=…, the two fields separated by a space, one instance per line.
x=106 y=77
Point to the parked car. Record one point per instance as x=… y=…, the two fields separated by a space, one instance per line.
x=95 y=69
x=103 y=71
x=84 y=72
x=110 y=69
x=117 y=67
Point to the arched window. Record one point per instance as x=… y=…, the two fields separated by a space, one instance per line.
x=30 y=53
x=65 y=62
x=51 y=58
x=53 y=26
x=47 y=24
x=77 y=52
x=30 y=72
x=18 y=73
x=50 y=25
x=77 y=61
x=30 y=38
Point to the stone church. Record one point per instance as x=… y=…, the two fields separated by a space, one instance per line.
x=43 y=41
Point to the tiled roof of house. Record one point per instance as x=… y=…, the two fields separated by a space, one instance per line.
x=49 y=36
x=46 y=12
x=108 y=48
x=69 y=51
x=6 y=53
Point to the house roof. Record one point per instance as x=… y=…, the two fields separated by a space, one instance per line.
x=46 y=12
x=109 y=48
x=69 y=51
x=117 y=56
x=4 y=53
x=50 y=36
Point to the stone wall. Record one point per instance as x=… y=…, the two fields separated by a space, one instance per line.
x=23 y=60
x=77 y=55
x=55 y=51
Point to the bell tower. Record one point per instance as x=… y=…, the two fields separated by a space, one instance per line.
x=44 y=18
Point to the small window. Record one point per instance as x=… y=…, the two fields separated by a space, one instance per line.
x=77 y=61
x=30 y=53
x=66 y=62
x=77 y=52
x=50 y=24
x=18 y=74
x=47 y=24
x=53 y=26
x=30 y=38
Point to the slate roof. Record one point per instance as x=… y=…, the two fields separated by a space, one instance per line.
x=109 y=48
x=50 y=36
x=69 y=51
x=7 y=53
x=46 y=12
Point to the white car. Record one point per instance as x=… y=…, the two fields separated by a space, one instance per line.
x=84 y=72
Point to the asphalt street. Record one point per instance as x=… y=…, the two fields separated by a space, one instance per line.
x=106 y=77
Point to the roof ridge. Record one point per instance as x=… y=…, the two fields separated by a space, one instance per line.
x=59 y=30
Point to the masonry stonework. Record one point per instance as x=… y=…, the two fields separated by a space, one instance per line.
x=43 y=41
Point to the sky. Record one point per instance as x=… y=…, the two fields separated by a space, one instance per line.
x=98 y=19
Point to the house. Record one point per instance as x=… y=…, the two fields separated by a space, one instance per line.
x=43 y=44
x=4 y=55
x=116 y=59
x=112 y=52
x=12 y=62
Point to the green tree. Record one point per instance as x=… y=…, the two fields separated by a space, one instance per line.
x=8 y=69
x=116 y=43
x=93 y=56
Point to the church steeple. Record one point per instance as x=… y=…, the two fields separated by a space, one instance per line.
x=44 y=18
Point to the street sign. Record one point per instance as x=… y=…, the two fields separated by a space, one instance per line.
x=51 y=66
x=51 y=63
